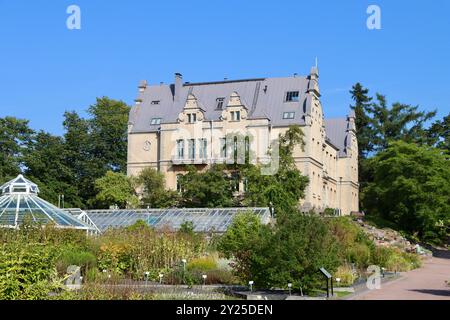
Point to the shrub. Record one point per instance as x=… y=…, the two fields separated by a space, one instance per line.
x=346 y=275
x=202 y=264
x=27 y=271
x=75 y=256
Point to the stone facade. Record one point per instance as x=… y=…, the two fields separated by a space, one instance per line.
x=187 y=123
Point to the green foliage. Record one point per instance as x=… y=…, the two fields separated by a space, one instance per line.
x=411 y=187
x=439 y=134
x=27 y=271
x=70 y=255
x=154 y=194
x=209 y=189
x=138 y=249
x=14 y=136
x=291 y=251
x=115 y=189
x=202 y=264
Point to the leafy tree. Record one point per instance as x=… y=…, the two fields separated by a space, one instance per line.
x=291 y=251
x=286 y=187
x=45 y=164
x=411 y=188
x=108 y=133
x=115 y=188
x=209 y=189
x=14 y=136
x=153 y=192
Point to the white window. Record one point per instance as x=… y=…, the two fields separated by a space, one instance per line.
x=292 y=96
x=191 y=148
x=203 y=146
x=235 y=115
x=179 y=188
x=219 y=103
x=180 y=149
x=155 y=121
x=288 y=115
x=192 y=117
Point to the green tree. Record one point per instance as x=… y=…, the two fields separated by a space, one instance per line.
x=411 y=187
x=14 y=137
x=209 y=189
x=153 y=194
x=115 y=188
x=292 y=251
x=45 y=164
x=286 y=187
x=398 y=122
x=108 y=133
x=439 y=134
x=362 y=108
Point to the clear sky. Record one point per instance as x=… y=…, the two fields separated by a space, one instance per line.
x=46 y=68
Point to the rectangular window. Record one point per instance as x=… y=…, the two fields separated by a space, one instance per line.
x=219 y=103
x=292 y=96
x=191 y=148
x=180 y=149
x=192 y=117
x=235 y=115
x=155 y=102
x=155 y=121
x=223 y=148
x=203 y=148
x=289 y=115
x=179 y=188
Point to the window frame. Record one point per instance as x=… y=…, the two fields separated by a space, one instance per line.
x=288 y=97
x=155 y=121
x=290 y=115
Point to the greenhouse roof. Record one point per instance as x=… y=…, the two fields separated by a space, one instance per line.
x=203 y=219
x=19 y=200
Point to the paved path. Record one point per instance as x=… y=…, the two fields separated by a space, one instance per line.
x=426 y=283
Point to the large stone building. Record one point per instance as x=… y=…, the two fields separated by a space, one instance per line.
x=172 y=125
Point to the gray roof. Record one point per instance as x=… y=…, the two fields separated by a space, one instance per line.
x=264 y=98
x=337 y=132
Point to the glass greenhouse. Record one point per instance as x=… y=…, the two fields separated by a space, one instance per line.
x=19 y=200
x=204 y=220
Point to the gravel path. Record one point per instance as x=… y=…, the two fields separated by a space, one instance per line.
x=426 y=283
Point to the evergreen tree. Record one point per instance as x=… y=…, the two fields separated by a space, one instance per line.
x=362 y=109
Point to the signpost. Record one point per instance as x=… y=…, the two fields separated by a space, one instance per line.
x=329 y=279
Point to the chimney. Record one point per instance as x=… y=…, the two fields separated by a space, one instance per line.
x=142 y=85
x=178 y=85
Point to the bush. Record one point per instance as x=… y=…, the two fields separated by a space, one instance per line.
x=202 y=264
x=27 y=271
x=346 y=275
x=74 y=256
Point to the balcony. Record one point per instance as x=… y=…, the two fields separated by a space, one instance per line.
x=185 y=161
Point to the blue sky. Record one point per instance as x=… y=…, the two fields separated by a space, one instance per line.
x=46 y=69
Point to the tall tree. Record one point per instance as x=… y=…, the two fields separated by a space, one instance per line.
x=439 y=134
x=115 y=188
x=45 y=164
x=362 y=108
x=14 y=137
x=108 y=127
x=151 y=184
x=411 y=187
x=398 y=122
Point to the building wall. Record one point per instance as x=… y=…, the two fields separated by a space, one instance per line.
x=333 y=178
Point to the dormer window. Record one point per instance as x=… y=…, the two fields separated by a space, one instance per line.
x=235 y=115
x=192 y=117
x=292 y=96
x=156 y=102
x=219 y=103
x=155 y=121
x=288 y=115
